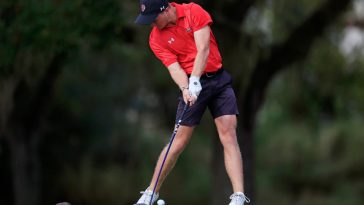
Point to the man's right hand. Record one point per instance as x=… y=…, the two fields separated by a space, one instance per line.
x=188 y=97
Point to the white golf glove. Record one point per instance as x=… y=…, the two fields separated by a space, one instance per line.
x=194 y=86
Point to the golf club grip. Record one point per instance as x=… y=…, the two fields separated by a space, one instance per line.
x=169 y=147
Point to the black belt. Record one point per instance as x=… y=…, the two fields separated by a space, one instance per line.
x=210 y=74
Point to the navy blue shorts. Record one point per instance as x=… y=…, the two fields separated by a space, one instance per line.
x=217 y=94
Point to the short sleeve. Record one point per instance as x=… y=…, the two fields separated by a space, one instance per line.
x=199 y=17
x=162 y=53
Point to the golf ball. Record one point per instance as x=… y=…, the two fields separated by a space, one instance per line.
x=161 y=202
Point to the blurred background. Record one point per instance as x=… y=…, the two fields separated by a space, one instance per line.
x=85 y=107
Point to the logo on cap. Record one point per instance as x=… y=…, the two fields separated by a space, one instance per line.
x=142 y=7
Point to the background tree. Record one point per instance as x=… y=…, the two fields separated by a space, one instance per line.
x=36 y=41
x=85 y=107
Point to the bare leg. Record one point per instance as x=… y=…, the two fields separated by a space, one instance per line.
x=226 y=127
x=182 y=138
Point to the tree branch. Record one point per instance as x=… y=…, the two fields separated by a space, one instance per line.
x=229 y=14
x=43 y=93
x=295 y=48
x=357 y=22
x=236 y=11
x=28 y=108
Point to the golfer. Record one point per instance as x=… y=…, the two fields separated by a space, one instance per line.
x=182 y=39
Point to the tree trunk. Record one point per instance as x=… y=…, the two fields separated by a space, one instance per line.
x=23 y=132
x=25 y=169
x=221 y=186
x=246 y=142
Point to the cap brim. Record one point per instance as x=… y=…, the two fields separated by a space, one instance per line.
x=145 y=19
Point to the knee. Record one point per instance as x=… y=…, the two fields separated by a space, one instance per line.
x=228 y=137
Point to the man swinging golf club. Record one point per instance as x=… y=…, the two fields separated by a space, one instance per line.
x=182 y=39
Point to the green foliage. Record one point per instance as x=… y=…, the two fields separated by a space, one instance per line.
x=289 y=14
x=309 y=136
x=114 y=106
x=37 y=31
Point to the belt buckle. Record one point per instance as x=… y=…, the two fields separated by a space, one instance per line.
x=210 y=75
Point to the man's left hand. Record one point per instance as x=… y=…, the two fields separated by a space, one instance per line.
x=194 y=86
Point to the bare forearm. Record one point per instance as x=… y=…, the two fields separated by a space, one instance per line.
x=200 y=62
x=178 y=75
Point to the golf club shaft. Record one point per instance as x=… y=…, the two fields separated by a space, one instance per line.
x=169 y=147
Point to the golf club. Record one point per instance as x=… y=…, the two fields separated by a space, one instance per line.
x=169 y=147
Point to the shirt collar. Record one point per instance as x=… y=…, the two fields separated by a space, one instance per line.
x=179 y=9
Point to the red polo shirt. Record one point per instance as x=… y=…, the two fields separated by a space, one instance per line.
x=177 y=43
